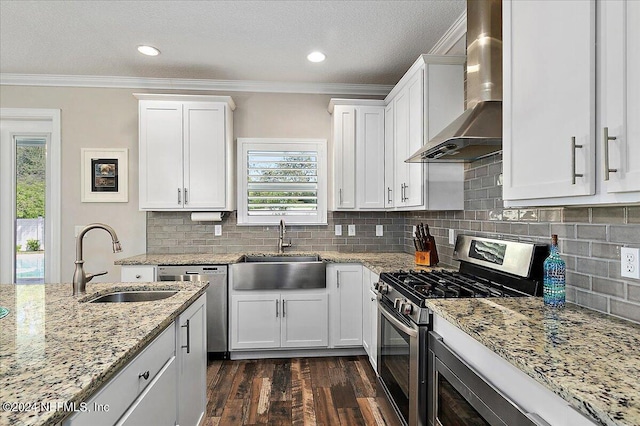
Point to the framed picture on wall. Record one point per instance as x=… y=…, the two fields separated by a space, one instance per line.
x=104 y=175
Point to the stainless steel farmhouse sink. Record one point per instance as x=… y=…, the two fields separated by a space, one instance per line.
x=274 y=272
x=134 y=296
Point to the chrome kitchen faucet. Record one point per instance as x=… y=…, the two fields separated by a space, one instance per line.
x=281 y=243
x=80 y=278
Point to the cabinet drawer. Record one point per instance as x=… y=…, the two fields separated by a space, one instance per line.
x=122 y=390
x=138 y=274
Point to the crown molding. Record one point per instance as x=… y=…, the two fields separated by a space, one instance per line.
x=455 y=32
x=192 y=84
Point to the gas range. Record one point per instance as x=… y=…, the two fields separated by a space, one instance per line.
x=488 y=268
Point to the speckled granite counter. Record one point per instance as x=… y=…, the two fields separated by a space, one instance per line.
x=589 y=359
x=56 y=349
x=377 y=262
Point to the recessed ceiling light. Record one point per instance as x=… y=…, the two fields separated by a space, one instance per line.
x=316 y=56
x=148 y=50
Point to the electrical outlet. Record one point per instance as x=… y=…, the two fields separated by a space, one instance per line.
x=351 y=229
x=338 y=230
x=217 y=230
x=630 y=262
x=379 y=231
x=452 y=236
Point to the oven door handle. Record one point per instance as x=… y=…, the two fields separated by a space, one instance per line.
x=396 y=323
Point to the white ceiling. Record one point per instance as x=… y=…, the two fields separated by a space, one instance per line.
x=370 y=42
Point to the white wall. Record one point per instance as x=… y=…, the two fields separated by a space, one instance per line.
x=99 y=118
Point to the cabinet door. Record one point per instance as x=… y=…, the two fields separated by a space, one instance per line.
x=160 y=153
x=255 y=321
x=305 y=320
x=366 y=314
x=401 y=143
x=549 y=98
x=192 y=363
x=620 y=95
x=345 y=288
x=157 y=404
x=370 y=160
x=205 y=155
x=344 y=133
x=414 y=186
x=389 y=157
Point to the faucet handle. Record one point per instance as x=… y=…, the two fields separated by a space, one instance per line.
x=89 y=277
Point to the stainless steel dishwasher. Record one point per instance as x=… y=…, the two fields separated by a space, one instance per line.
x=217 y=318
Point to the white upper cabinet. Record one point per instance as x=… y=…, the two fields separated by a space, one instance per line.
x=425 y=101
x=358 y=154
x=554 y=152
x=186 y=156
x=619 y=110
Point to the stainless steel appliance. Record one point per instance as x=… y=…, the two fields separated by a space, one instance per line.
x=458 y=395
x=217 y=317
x=488 y=268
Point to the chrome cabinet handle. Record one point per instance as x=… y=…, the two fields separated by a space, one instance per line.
x=338 y=278
x=188 y=345
x=277 y=308
x=144 y=375
x=606 y=138
x=138 y=276
x=283 y=308
x=179 y=198
x=340 y=196
x=574 y=146
x=186 y=200
x=389 y=190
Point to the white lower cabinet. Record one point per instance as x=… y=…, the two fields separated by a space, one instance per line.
x=159 y=386
x=137 y=273
x=156 y=405
x=191 y=353
x=344 y=284
x=269 y=320
x=370 y=316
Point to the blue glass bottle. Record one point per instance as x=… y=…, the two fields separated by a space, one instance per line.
x=554 y=277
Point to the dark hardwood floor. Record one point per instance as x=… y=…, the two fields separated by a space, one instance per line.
x=299 y=391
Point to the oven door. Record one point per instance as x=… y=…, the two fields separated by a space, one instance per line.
x=400 y=364
x=459 y=396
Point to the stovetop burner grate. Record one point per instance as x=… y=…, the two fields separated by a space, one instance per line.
x=420 y=285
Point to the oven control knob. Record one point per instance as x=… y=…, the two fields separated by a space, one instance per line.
x=407 y=308
x=383 y=288
x=397 y=304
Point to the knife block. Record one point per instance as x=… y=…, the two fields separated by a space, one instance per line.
x=424 y=258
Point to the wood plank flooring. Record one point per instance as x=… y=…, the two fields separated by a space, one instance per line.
x=328 y=391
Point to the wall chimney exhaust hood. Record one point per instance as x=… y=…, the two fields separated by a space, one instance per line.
x=478 y=131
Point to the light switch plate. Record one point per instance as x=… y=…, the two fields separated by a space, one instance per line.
x=452 y=236
x=630 y=262
x=217 y=230
x=379 y=231
x=338 y=230
x=352 y=230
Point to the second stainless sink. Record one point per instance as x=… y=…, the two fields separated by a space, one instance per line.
x=134 y=296
x=273 y=272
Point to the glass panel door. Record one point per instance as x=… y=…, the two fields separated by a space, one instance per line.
x=30 y=195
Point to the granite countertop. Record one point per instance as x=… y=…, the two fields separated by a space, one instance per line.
x=377 y=262
x=590 y=359
x=56 y=349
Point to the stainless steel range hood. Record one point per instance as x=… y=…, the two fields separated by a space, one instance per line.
x=478 y=131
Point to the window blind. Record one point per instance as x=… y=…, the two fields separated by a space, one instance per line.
x=281 y=183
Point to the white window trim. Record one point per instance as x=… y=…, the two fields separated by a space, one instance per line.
x=282 y=144
x=52 y=201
